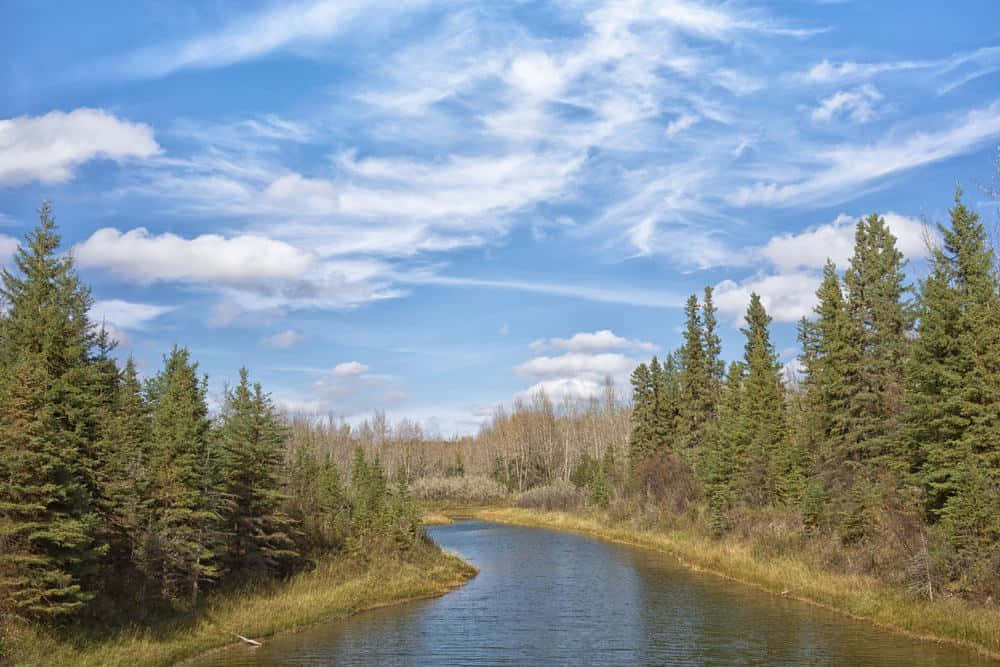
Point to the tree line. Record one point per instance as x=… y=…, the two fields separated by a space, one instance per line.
x=891 y=432
x=122 y=499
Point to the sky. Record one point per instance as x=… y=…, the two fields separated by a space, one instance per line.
x=435 y=208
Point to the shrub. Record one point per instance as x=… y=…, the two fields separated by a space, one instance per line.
x=559 y=495
x=474 y=489
x=667 y=479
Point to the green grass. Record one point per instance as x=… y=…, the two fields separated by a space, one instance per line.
x=337 y=587
x=950 y=620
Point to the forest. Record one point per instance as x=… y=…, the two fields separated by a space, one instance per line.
x=879 y=454
x=123 y=502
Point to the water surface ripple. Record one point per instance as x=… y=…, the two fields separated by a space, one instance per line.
x=546 y=597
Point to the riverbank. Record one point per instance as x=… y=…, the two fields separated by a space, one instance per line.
x=950 y=620
x=337 y=587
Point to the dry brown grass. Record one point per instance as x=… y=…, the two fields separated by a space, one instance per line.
x=336 y=588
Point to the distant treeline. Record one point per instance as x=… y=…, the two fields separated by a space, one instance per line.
x=122 y=500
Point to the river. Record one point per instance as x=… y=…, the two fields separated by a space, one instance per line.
x=546 y=597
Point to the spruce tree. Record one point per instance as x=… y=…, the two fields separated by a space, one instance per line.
x=696 y=380
x=762 y=418
x=643 y=413
x=185 y=542
x=251 y=438
x=47 y=520
x=953 y=407
x=880 y=320
x=667 y=401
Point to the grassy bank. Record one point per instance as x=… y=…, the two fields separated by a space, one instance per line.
x=950 y=620
x=336 y=588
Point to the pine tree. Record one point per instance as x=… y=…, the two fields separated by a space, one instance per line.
x=251 y=438
x=643 y=413
x=47 y=522
x=953 y=408
x=879 y=323
x=667 y=402
x=185 y=539
x=829 y=359
x=724 y=438
x=713 y=351
x=696 y=380
x=762 y=418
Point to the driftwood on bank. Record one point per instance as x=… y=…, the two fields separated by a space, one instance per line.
x=249 y=642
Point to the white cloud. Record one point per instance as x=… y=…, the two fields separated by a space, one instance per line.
x=253 y=36
x=350 y=368
x=283 y=340
x=598 y=341
x=811 y=248
x=849 y=167
x=577 y=364
x=681 y=123
x=126 y=314
x=857 y=105
x=149 y=258
x=787 y=297
x=631 y=297
x=48 y=148
x=8 y=247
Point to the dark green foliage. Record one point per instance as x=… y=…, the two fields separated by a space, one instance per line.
x=251 y=438
x=762 y=436
x=879 y=320
x=643 y=412
x=184 y=544
x=47 y=519
x=121 y=501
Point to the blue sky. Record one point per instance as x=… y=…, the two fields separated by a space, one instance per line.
x=431 y=208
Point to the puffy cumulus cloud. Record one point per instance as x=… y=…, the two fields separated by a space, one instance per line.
x=149 y=258
x=349 y=368
x=576 y=364
x=283 y=340
x=787 y=297
x=574 y=376
x=598 y=341
x=857 y=105
x=48 y=148
x=811 y=248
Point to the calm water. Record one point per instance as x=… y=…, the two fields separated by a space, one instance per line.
x=545 y=597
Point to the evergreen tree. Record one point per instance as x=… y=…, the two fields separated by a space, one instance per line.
x=879 y=323
x=184 y=543
x=696 y=380
x=713 y=351
x=47 y=520
x=724 y=437
x=667 y=402
x=763 y=431
x=953 y=408
x=643 y=413
x=251 y=437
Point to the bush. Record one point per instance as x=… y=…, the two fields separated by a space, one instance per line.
x=559 y=495
x=475 y=490
x=667 y=479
